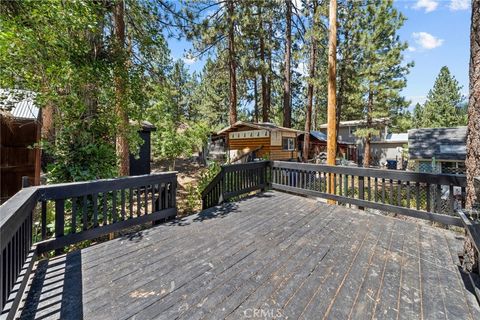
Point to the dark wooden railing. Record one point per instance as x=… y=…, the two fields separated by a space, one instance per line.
x=433 y=197
x=80 y=211
x=235 y=180
x=16 y=251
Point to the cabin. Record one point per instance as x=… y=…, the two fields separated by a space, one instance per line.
x=347 y=132
x=246 y=141
x=390 y=152
x=318 y=145
x=19 y=138
x=438 y=150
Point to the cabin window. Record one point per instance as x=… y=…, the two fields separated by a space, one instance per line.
x=288 y=144
x=352 y=130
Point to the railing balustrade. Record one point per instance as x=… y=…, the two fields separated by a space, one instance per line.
x=70 y=213
x=235 y=180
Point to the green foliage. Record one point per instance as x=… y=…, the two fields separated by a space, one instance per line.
x=207 y=175
x=443 y=107
x=62 y=50
x=175 y=135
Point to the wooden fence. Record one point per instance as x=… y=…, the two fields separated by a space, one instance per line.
x=81 y=211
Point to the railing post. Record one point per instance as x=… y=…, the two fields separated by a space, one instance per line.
x=361 y=189
x=25 y=182
x=59 y=221
x=222 y=185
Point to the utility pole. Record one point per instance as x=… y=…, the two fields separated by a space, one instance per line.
x=332 y=89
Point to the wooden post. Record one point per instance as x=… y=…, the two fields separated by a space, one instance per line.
x=25 y=182
x=332 y=88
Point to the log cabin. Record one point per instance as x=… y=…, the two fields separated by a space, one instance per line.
x=246 y=141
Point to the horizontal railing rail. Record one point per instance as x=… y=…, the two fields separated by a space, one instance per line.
x=70 y=213
x=235 y=180
x=433 y=197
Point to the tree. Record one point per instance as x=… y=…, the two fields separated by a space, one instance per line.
x=119 y=53
x=64 y=51
x=311 y=88
x=287 y=108
x=443 y=105
x=473 y=131
x=349 y=101
x=232 y=61
x=332 y=90
x=383 y=72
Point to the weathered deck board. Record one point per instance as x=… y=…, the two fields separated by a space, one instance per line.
x=273 y=255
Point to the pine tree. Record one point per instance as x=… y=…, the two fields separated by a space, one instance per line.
x=383 y=72
x=443 y=105
x=287 y=107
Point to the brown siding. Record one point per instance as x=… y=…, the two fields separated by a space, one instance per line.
x=273 y=152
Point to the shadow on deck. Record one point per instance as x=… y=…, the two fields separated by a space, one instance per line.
x=274 y=255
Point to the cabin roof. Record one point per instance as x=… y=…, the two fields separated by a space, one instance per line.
x=20 y=104
x=257 y=125
x=394 y=138
x=441 y=143
x=320 y=136
x=360 y=122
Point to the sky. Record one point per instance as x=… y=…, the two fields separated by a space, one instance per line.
x=437 y=31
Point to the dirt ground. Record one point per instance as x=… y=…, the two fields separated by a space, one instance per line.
x=188 y=174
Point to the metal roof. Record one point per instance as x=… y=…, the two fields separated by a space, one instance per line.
x=441 y=143
x=361 y=122
x=19 y=103
x=257 y=125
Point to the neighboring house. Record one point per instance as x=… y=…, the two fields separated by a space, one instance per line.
x=19 y=136
x=347 y=130
x=246 y=141
x=438 y=150
x=389 y=152
x=318 y=144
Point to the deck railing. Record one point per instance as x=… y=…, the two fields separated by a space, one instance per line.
x=433 y=197
x=70 y=213
x=235 y=180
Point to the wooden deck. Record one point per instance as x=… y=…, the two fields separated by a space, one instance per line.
x=270 y=256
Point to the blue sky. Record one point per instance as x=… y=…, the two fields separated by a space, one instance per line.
x=438 y=33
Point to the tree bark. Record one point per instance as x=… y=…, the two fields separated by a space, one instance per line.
x=122 y=148
x=310 y=90
x=255 y=94
x=368 y=138
x=473 y=130
x=287 y=109
x=332 y=84
x=341 y=87
x=232 y=63
x=262 y=71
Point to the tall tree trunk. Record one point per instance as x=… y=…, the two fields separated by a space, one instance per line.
x=341 y=85
x=311 y=88
x=232 y=63
x=48 y=131
x=473 y=132
x=255 y=94
x=287 y=109
x=332 y=86
x=263 y=77
x=368 y=138
x=120 y=72
x=268 y=96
